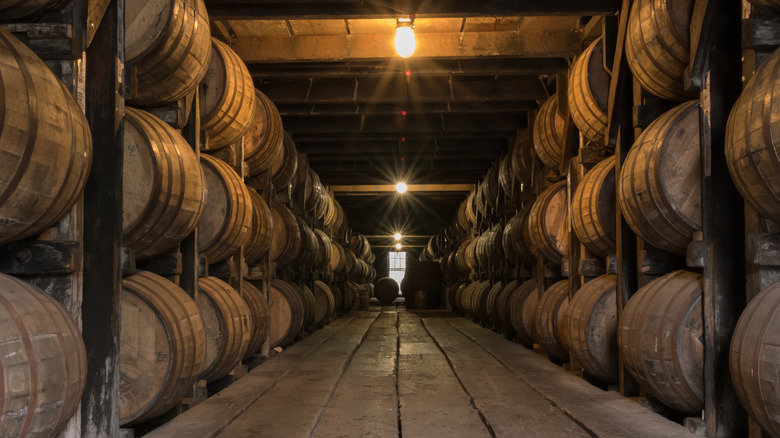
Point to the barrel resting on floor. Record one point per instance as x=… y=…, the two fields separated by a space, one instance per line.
x=395 y=373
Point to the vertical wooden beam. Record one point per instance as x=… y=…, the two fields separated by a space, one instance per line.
x=716 y=65
x=189 y=246
x=103 y=230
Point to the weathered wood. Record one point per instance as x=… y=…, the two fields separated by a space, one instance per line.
x=549 y=319
x=261 y=318
x=48 y=40
x=593 y=209
x=36 y=257
x=547 y=223
x=264 y=136
x=102 y=238
x=548 y=133
x=165 y=265
x=592 y=268
x=588 y=92
x=761 y=33
x=189 y=246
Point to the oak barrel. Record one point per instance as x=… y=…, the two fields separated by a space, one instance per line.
x=45 y=144
x=593 y=209
x=263 y=140
x=325 y=251
x=660 y=184
x=754 y=361
x=547 y=227
x=386 y=291
x=658 y=46
x=752 y=144
x=660 y=340
x=522 y=311
x=227 y=97
x=524 y=159
x=44 y=362
x=262 y=229
x=590 y=324
x=503 y=309
x=13 y=10
x=424 y=276
x=287 y=313
x=589 y=92
x=549 y=319
x=337 y=258
x=284 y=166
x=261 y=317
x=491 y=305
x=167 y=48
x=489 y=247
x=162 y=346
x=163 y=185
x=548 y=134
x=513 y=240
x=226 y=222
x=286 y=239
x=325 y=303
x=228 y=324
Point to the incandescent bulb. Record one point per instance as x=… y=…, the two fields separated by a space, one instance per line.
x=398 y=246
x=401 y=187
x=397 y=236
x=404 y=41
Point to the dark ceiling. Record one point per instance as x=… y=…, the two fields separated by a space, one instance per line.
x=443 y=116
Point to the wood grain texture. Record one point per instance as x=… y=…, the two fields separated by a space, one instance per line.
x=227 y=97
x=658 y=46
x=262 y=229
x=44 y=361
x=286 y=239
x=324 y=303
x=503 y=308
x=548 y=133
x=287 y=313
x=261 y=317
x=515 y=245
x=493 y=320
x=522 y=311
x=163 y=185
x=168 y=47
x=659 y=185
x=163 y=346
x=752 y=143
x=547 y=229
x=45 y=144
x=593 y=209
x=660 y=340
x=588 y=92
x=549 y=319
x=524 y=161
x=228 y=324
x=13 y=10
x=263 y=139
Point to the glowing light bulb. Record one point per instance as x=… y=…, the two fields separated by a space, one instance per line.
x=398 y=246
x=401 y=187
x=397 y=236
x=404 y=38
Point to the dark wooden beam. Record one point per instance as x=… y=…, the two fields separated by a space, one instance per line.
x=504 y=123
x=313 y=148
x=276 y=9
x=398 y=108
x=370 y=137
x=103 y=227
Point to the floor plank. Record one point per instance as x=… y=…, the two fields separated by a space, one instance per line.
x=603 y=413
x=433 y=404
x=365 y=402
x=511 y=407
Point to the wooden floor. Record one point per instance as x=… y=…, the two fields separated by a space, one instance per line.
x=396 y=374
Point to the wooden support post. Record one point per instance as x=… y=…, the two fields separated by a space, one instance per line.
x=189 y=246
x=620 y=135
x=103 y=230
x=715 y=68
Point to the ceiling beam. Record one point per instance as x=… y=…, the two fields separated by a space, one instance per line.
x=385 y=146
x=501 y=122
x=278 y=9
x=447 y=136
x=347 y=47
x=395 y=108
x=377 y=188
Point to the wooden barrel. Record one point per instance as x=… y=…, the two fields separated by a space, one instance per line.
x=45 y=143
x=524 y=159
x=163 y=185
x=325 y=303
x=262 y=229
x=263 y=140
x=471 y=208
x=658 y=46
x=754 y=361
x=547 y=228
x=287 y=314
x=286 y=240
x=590 y=324
x=460 y=257
x=309 y=302
x=589 y=92
x=284 y=165
x=491 y=186
x=167 y=48
x=548 y=134
x=309 y=248
x=386 y=291
x=750 y=151
x=228 y=324
x=227 y=97
x=43 y=360
x=593 y=209
x=503 y=308
x=660 y=184
x=162 y=349
x=261 y=317
x=771 y=4
x=325 y=251
x=338 y=299
x=491 y=304
x=549 y=319
x=515 y=245
x=488 y=250
x=227 y=217
x=425 y=276
x=660 y=340
x=353 y=290
x=522 y=311
x=337 y=258
x=471 y=255
x=506 y=174
x=473 y=297
x=13 y=10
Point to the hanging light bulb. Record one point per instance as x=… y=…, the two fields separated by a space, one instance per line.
x=404 y=37
x=397 y=236
x=401 y=187
x=398 y=246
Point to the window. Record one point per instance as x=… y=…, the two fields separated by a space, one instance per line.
x=397 y=264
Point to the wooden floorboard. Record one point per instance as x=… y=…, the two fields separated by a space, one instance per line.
x=510 y=406
x=433 y=403
x=293 y=406
x=365 y=402
x=602 y=413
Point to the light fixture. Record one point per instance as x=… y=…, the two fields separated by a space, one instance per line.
x=401 y=187
x=404 y=37
x=397 y=236
x=398 y=246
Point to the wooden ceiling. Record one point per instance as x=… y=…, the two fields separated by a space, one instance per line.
x=365 y=116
